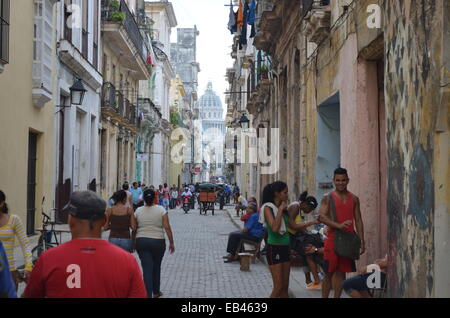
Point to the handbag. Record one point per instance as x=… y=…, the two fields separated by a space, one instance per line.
x=345 y=244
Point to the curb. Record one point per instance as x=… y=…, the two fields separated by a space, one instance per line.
x=232 y=219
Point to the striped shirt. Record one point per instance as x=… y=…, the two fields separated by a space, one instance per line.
x=8 y=232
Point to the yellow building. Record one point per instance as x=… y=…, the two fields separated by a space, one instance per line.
x=177 y=104
x=27 y=80
x=124 y=65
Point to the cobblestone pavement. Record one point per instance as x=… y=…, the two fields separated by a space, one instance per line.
x=196 y=269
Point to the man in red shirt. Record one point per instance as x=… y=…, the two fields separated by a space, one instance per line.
x=348 y=219
x=86 y=266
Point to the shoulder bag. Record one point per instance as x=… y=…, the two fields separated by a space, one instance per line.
x=345 y=244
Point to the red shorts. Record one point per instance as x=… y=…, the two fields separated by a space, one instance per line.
x=334 y=263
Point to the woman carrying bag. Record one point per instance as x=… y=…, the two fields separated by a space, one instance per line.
x=152 y=223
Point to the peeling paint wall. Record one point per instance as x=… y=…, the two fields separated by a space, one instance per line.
x=336 y=67
x=413 y=40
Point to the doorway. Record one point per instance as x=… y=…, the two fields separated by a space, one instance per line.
x=328 y=144
x=31 y=182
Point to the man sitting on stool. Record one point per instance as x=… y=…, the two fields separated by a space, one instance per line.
x=253 y=231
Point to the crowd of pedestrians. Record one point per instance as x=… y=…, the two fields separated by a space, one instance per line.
x=138 y=221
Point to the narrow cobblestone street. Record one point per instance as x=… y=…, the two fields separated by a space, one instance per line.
x=196 y=269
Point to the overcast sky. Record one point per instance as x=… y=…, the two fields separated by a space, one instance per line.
x=213 y=43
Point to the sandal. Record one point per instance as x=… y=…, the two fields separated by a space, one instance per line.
x=231 y=260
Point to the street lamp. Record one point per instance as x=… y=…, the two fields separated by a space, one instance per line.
x=244 y=122
x=77 y=92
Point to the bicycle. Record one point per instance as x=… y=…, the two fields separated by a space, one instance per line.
x=44 y=241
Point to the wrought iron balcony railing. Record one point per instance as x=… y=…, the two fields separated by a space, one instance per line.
x=109 y=95
x=110 y=14
x=309 y=5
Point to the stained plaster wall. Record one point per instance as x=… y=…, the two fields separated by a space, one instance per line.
x=418 y=148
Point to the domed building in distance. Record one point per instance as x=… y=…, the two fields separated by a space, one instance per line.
x=213 y=131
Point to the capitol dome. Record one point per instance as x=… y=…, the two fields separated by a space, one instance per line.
x=210 y=99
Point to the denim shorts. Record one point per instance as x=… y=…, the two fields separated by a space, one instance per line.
x=121 y=242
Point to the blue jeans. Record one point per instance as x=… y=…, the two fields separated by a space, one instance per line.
x=151 y=253
x=166 y=204
x=359 y=283
x=123 y=243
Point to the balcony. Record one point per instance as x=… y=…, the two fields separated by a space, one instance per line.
x=268 y=24
x=317 y=14
x=117 y=108
x=121 y=32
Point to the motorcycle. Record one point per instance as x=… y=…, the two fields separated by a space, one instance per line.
x=186 y=203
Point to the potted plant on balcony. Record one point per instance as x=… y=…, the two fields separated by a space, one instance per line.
x=116 y=14
x=264 y=71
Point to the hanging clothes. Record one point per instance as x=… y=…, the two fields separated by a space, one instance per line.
x=240 y=20
x=243 y=38
x=252 y=12
x=251 y=18
x=232 y=23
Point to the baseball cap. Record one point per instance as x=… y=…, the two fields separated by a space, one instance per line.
x=86 y=205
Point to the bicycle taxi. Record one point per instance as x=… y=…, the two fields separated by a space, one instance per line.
x=207 y=197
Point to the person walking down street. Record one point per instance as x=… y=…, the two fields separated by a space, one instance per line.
x=236 y=192
x=275 y=217
x=86 y=266
x=126 y=187
x=241 y=205
x=160 y=195
x=120 y=220
x=152 y=222
x=252 y=231
x=11 y=226
x=166 y=197
x=7 y=286
x=136 y=194
x=193 y=190
x=347 y=217
x=174 y=197
x=228 y=192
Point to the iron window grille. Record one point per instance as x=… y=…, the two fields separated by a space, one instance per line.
x=4 y=30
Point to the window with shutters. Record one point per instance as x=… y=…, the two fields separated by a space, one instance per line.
x=96 y=29
x=85 y=28
x=4 y=31
x=42 y=44
x=67 y=15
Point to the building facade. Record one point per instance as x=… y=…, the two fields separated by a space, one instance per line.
x=163 y=16
x=125 y=62
x=27 y=98
x=183 y=56
x=365 y=91
x=77 y=126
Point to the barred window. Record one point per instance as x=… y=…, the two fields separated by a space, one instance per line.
x=4 y=31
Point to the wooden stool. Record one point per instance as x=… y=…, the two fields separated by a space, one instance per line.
x=245 y=260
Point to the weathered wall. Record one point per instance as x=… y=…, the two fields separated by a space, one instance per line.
x=337 y=67
x=413 y=39
x=19 y=117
